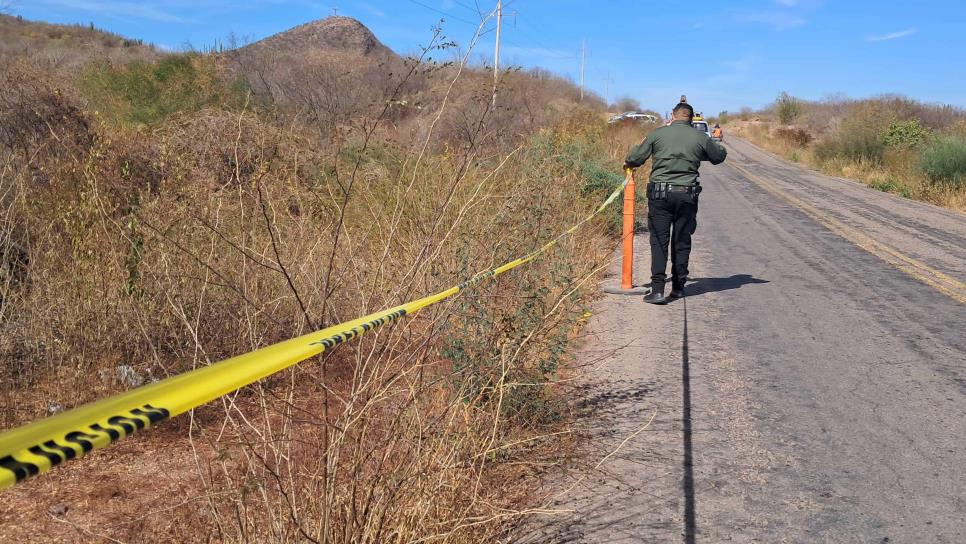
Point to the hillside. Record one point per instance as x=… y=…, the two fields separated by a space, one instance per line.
x=66 y=46
x=160 y=215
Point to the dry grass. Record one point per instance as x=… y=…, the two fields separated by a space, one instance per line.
x=66 y=47
x=222 y=227
x=879 y=142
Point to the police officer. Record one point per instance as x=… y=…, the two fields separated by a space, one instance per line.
x=676 y=152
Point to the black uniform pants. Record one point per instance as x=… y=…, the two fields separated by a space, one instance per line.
x=671 y=221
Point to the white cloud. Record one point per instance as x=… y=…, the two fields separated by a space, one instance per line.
x=372 y=10
x=776 y=20
x=894 y=35
x=735 y=72
x=536 y=52
x=120 y=8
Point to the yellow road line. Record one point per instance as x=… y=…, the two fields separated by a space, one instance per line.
x=943 y=283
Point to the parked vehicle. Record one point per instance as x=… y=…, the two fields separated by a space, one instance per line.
x=638 y=116
x=633 y=116
x=701 y=125
x=617 y=118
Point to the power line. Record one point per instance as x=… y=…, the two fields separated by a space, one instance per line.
x=441 y=12
x=607 y=81
x=476 y=10
x=532 y=38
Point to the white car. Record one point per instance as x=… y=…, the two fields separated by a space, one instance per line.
x=633 y=116
x=702 y=126
x=636 y=115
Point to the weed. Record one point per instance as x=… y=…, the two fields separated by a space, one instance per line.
x=857 y=140
x=147 y=92
x=893 y=187
x=944 y=161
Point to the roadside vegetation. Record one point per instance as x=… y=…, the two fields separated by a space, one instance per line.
x=164 y=212
x=890 y=143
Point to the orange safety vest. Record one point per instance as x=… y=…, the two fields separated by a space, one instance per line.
x=717 y=132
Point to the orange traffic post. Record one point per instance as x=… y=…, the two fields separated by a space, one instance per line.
x=627 y=259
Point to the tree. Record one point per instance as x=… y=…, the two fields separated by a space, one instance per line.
x=787 y=107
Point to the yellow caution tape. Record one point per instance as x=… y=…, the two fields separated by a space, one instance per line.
x=37 y=447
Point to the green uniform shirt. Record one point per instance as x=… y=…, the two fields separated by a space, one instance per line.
x=676 y=152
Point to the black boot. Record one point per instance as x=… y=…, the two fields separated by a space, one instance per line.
x=656 y=296
x=677 y=289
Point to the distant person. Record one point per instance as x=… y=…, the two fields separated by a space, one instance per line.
x=716 y=133
x=676 y=152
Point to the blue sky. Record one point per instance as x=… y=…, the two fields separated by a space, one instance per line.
x=722 y=54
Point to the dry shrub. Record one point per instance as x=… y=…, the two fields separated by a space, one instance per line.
x=891 y=143
x=36 y=111
x=794 y=135
x=66 y=47
x=212 y=232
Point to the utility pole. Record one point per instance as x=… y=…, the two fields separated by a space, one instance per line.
x=607 y=83
x=583 y=62
x=496 y=54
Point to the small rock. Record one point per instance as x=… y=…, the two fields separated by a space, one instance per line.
x=57 y=509
x=54 y=408
x=129 y=377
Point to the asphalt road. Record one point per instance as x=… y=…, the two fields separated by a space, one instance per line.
x=810 y=388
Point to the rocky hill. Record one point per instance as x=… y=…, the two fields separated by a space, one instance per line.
x=329 y=35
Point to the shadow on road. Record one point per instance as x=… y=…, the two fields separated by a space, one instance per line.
x=687 y=483
x=701 y=286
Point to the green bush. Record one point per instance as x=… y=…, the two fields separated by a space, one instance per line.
x=787 y=107
x=893 y=187
x=906 y=134
x=598 y=179
x=147 y=92
x=944 y=160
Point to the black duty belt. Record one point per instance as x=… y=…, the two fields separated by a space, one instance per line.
x=659 y=190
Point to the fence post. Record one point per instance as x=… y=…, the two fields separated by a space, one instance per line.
x=627 y=259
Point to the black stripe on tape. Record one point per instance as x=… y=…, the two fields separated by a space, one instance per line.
x=336 y=339
x=76 y=443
